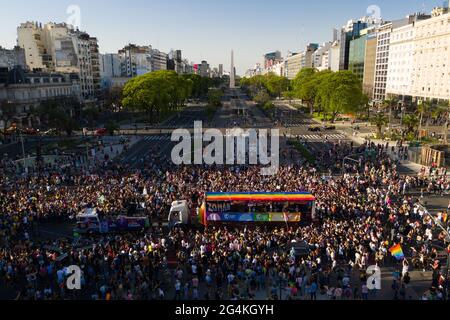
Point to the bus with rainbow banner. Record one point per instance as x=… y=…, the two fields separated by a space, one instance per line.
x=247 y=208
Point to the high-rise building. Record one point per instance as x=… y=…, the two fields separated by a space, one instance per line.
x=220 y=70
x=12 y=58
x=257 y=70
x=334 y=56
x=384 y=33
x=31 y=38
x=61 y=48
x=188 y=67
x=401 y=61
x=335 y=35
x=139 y=60
x=431 y=66
x=95 y=65
x=307 y=55
x=369 y=64
x=135 y=60
x=175 y=62
x=110 y=65
x=272 y=58
x=382 y=61
x=350 y=32
x=203 y=69
x=358 y=50
x=158 y=60
x=320 y=57
x=293 y=65
x=110 y=68
x=179 y=63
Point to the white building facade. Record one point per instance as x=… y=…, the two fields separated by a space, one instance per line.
x=293 y=65
x=158 y=60
x=31 y=38
x=401 y=61
x=60 y=48
x=431 y=71
x=135 y=60
x=382 y=61
x=320 y=57
x=334 y=55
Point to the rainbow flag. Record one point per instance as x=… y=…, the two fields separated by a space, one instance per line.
x=260 y=196
x=397 y=252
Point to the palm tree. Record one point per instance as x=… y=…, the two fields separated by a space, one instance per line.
x=379 y=120
x=442 y=109
x=388 y=104
x=423 y=108
x=411 y=121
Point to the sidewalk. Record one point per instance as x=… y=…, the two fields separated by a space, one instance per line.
x=114 y=149
x=361 y=138
x=415 y=167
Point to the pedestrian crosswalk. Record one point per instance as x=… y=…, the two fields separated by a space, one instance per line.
x=156 y=138
x=310 y=137
x=297 y=123
x=323 y=137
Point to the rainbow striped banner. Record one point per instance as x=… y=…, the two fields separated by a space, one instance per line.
x=397 y=252
x=260 y=196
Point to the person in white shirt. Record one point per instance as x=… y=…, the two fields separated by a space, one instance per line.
x=405 y=267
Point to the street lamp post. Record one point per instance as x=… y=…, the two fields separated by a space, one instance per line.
x=390 y=117
x=23 y=149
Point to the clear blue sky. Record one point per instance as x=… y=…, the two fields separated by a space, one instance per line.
x=206 y=29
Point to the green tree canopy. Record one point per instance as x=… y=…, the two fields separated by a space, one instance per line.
x=57 y=114
x=276 y=85
x=379 y=120
x=306 y=85
x=158 y=93
x=340 y=92
x=215 y=97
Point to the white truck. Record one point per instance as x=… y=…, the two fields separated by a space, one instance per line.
x=180 y=214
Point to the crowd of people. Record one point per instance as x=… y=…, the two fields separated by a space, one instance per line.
x=360 y=214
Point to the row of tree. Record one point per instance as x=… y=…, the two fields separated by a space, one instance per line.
x=329 y=92
x=332 y=93
x=270 y=84
x=163 y=92
x=63 y=114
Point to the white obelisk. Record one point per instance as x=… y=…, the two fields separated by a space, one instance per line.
x=233 y=72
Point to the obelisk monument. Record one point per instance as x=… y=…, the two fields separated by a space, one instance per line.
x=232 y=72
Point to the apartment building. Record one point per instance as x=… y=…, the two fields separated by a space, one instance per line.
x=320 y=56
x=401 y=61
x=60 y=48
x=431 y=59
x=26 y=90
x=369 y=65
x=135 y=60
x=293 y=65
x=12 y=58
